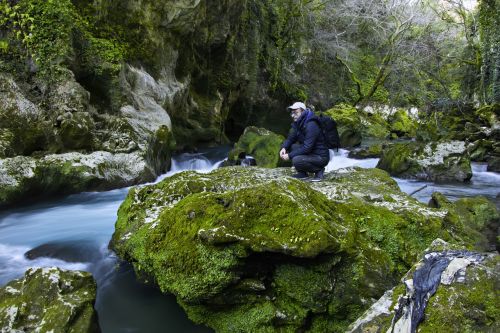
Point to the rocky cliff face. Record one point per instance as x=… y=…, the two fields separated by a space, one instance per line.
x=137 y=78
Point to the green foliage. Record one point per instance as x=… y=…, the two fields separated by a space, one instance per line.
x=489 y=21
x=52 y=33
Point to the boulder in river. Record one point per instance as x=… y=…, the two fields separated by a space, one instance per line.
x=449 y=290
x=22 y=176
x=252 y=249
x=477 y=217
x=262 y=144
x=445 y=161
x=348 y=123
x=49 y=300
x=373 y=151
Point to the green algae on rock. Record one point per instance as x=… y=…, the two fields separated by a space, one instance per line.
x=261 y=144
x=49 y=300
x=441 y=161
x=251 y=249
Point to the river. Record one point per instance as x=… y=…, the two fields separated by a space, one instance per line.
x=75 y=231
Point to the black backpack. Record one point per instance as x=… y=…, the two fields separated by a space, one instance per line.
x=329 y=128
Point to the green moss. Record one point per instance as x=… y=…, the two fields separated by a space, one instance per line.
x=260 y=143
x=250 y=249
x=348 y=124
x=49 y=299
x=467 y=307
x=402 y=125
x=375 y=126
x=396 y=159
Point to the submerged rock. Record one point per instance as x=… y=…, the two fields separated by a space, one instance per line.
x=439 y=162
x=448 y=290
x=49 y=300
x=251 y=249
x=67 y=251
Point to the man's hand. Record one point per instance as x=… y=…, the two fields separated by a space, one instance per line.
x=285 y=157
x=283 y=153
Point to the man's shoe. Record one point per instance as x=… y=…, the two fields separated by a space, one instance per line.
x=300 y=175
x=318 y=176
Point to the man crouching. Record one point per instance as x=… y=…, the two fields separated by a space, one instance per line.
x=305 y=144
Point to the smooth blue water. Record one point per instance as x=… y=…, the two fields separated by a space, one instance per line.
x=84 y=223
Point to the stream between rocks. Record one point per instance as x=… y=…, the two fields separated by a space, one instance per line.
x=74 y=232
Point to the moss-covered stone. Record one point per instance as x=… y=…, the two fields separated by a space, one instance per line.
x=27 y=177
x=372 y=151
x=23 y=128
x=251 y=249
x=348 y=124
x=477 y=219
x=375 y=126
x=261 y=144
x=49 y=300
x=466 y=298
x=402 y=125
x=441 y=161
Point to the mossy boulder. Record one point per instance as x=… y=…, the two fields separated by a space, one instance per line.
x=373 y=151
x=261 y=144
x=480 y=150
x=252 y=249
x=439 y=161
x=374 y=126
x=465 y=299
x=477 y=216
x=49 y=300
x=402 y=125
x=27 y=177
x=348 y=124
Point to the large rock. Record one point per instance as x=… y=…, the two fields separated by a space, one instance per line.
x=476 y=216
x=49 y=300
x=251 y=249
x=449 y=290
x=440 y=162
x=93 y=151
x=262 y=144
x=402 y=125
x=348 y=123
x=373 y=151
x=23 y=177
x=23 y=128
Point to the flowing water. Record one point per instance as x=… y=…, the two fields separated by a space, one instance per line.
x=73 y=233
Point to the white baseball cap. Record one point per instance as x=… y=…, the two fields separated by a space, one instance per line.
x=297 y=105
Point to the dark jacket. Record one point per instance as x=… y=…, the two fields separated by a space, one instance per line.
x=308 y=134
